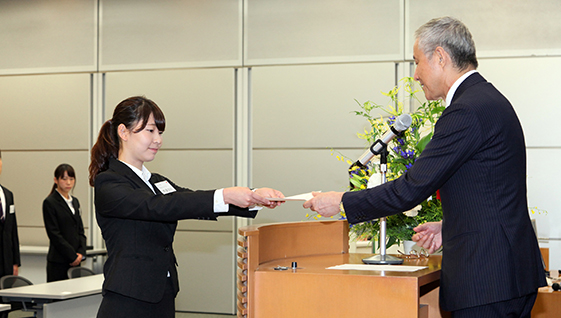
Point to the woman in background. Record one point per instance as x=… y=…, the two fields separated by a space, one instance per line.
x=138 y=211
x=61 y=214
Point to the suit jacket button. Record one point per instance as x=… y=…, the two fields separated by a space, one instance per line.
x=166 y=248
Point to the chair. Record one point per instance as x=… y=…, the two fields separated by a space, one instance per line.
x=12 y=281
x=75 y=272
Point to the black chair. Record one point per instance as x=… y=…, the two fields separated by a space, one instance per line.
x=75 y=272
x=11 y=281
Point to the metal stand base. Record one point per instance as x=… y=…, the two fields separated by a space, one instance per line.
x=383 y=260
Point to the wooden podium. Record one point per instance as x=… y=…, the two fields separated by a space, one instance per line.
x=311 y=290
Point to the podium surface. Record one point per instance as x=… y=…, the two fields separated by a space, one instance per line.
x=312 y=290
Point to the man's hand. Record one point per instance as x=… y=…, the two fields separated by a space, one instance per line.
x=270 y=193
x=326 y=204
x=429 y=236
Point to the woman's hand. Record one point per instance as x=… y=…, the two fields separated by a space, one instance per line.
x=245 y=198
x=77 y=261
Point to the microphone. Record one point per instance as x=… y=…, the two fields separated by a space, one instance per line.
x=401 y=124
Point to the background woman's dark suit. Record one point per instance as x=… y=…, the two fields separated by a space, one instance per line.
x=66 y=234
x=477 y=158
x=139 y=227
x=9 y=239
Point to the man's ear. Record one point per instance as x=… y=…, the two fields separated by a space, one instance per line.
x=442 y=56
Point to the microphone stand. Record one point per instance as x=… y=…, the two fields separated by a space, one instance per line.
x=382 y=258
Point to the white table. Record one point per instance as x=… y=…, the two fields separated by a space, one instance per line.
x=78 y=297
x=5 y=307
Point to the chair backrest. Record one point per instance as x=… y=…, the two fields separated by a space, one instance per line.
x=75 y=272
x=10 y=281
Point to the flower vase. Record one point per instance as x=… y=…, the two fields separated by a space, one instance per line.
x=408 y=246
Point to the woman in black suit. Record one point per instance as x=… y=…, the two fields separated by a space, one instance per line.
x=63 y=222
x=138 y=211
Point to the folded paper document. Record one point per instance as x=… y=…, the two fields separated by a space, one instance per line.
x=388 y=268
x=298 y=197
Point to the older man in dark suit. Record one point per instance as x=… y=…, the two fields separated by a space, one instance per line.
x=9 y=242
x=491 y=263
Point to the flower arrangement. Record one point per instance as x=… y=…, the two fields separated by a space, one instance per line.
x=402 y=153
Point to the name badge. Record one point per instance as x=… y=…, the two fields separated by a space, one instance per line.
x=165 y=187
x=12 y=209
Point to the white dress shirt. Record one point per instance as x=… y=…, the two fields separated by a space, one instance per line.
x=455 y=86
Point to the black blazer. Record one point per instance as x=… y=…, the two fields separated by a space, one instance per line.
x=138 y=228
x=477 y=158
x=64 y=229
x=10 y=240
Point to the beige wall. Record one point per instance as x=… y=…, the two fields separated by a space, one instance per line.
x=255 y=93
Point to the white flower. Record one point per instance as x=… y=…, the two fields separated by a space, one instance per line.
x=413 y=212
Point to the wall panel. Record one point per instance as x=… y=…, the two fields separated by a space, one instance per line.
x=159 y=34
x=45 y=111
x=533 y=95
x=544 y=187
x=292 y=31
x=313 y=105
x=48 y=36
x=499 y=28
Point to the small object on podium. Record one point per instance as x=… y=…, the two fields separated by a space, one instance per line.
x=280 y=268
x=294 y=265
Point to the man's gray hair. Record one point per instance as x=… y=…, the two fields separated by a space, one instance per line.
x=453 y=36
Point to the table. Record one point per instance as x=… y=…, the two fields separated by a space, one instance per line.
x=78 y=297
x=312 y=290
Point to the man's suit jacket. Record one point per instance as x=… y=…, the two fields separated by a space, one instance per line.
x=10 y=240
x=477 y=158
x=138 y=228
x=64 y=229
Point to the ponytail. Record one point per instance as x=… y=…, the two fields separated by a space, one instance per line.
x=105 y=148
